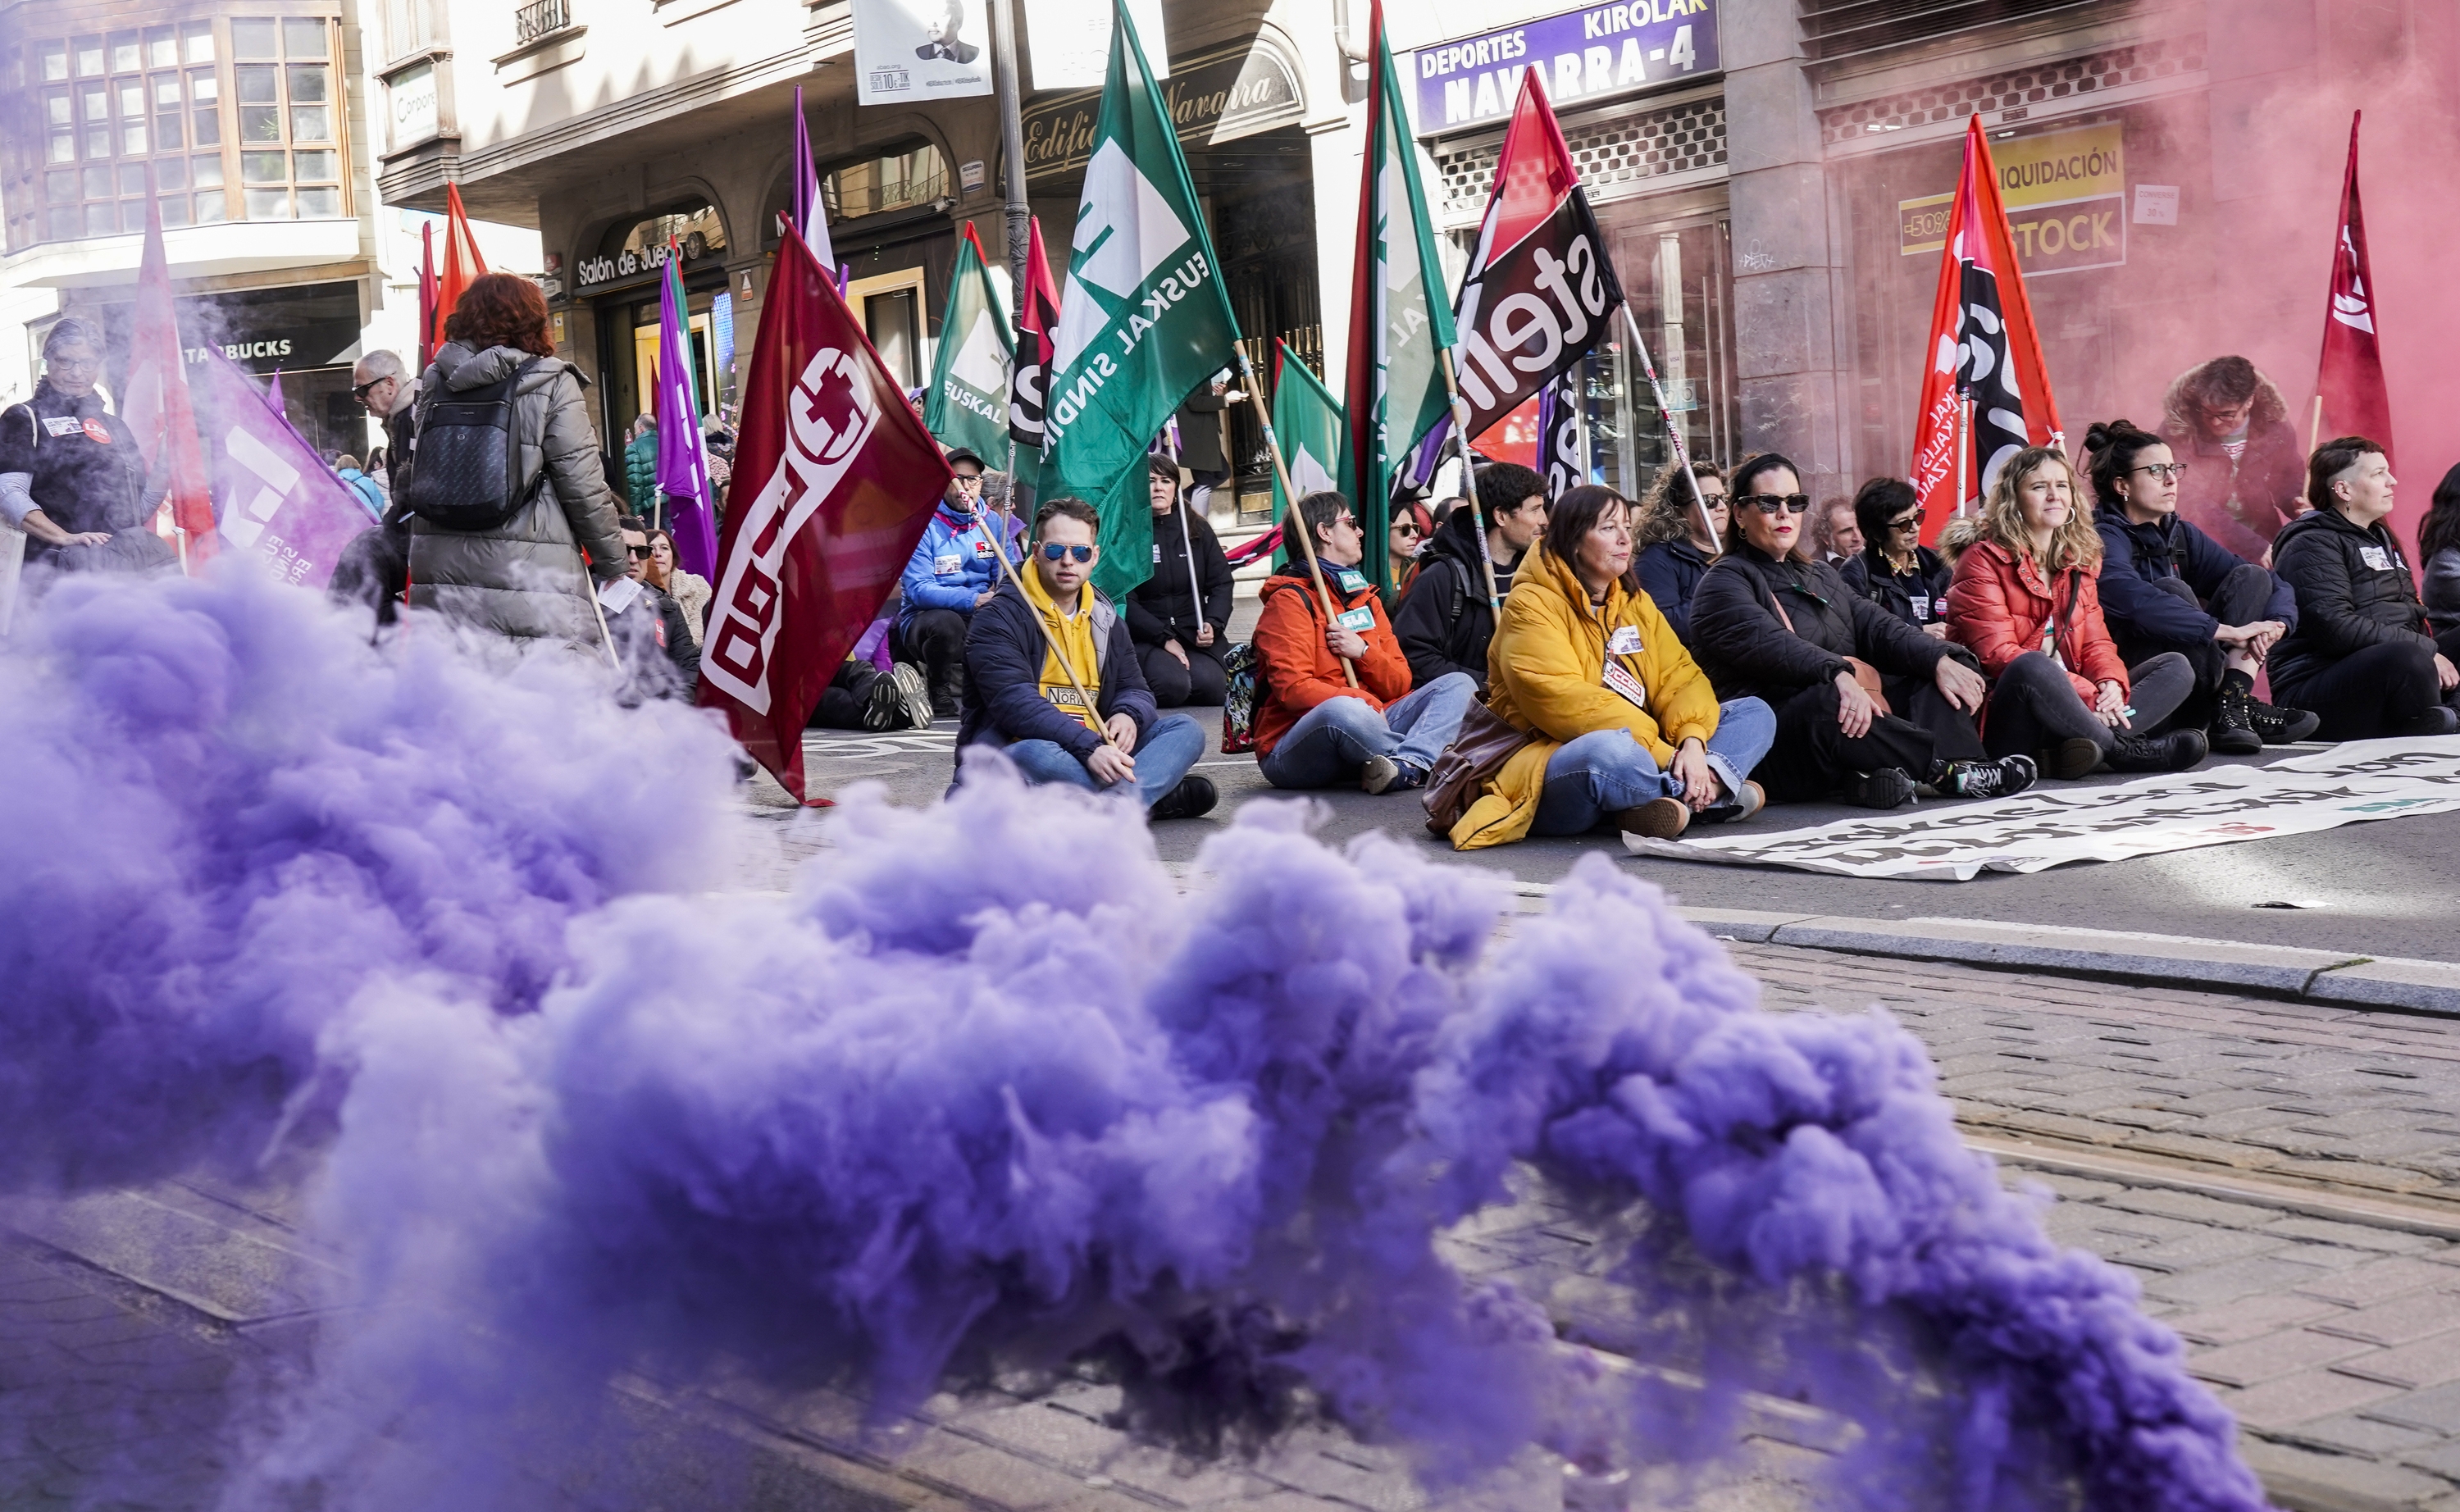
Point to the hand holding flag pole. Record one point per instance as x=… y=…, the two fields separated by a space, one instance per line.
x=1092 y=710
x=1297 y=516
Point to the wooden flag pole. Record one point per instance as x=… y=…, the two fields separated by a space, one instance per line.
x=1295 y=516
x=1673 y=431
x=1468 y=486
x=999 y=549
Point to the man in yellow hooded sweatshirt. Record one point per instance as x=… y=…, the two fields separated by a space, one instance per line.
x=1624 y=726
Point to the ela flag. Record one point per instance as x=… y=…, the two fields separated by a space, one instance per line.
x=834 y=480
x=280 y=502
x=1399 y=327
x=1144 y=319
x=811 y=212
x=1539 y=290
x=155 y=400
x=1313 y=433
x=969 y=396
x=463 y=266
x=2352 y=377
x=683 y=456
x=1982 y=346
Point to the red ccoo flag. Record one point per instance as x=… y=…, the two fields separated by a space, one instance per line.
x=835 y=479
x=2350 y=380
x=1539 y=290
x=463 y=266
x=1982 y=346
x=154 y=399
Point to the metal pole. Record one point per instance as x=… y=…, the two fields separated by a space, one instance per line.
x=1673 y=431
x=1187 y=543
x=1295 y=516
x=1020 y=240
x=1964 y=435
x=1468 y=486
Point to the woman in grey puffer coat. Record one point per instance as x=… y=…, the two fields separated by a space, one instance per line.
x=527 y=579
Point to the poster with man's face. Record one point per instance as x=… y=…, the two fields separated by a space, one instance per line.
x=906 y=50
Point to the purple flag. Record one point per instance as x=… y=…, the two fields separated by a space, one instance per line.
x=275 y=498
x=683 y=459
x=273 y=395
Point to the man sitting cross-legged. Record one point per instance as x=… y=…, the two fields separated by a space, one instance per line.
x=1020 y=695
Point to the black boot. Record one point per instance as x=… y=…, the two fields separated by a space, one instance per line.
x=2174 y=752
x=2280 y=727
x=1889 y=787
x=2233 y=727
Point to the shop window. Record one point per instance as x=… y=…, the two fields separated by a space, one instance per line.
x=898 y=180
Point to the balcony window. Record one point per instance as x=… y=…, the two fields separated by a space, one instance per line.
x=62 y=225
x=88 y=57
x=263 y=167
x=303 y=37
x=210 y=210
x=267 y=204
x=175 y=209
x=161 y=47
x=197 y=41
x=132 y=178
x=170 y=173
x=316 y=167
x=253 y=38
x=203 y=110
x=101 y=218
x=896 y=181
x=97 y=182
x=208 y=171
x=56 y=62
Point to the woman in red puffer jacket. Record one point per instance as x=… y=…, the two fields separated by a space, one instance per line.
x=2024 y=602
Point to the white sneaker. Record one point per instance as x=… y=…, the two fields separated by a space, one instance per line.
x=1380 y=773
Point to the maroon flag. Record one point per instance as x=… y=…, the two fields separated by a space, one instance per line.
x=2350 y=380
x=1539 y=292
x=835 y=479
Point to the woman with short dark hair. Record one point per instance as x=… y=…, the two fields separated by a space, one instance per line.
x=2363 y=654
x=1895 y=570
x=2438 y=544
x=1180 y=617
x=532 y=577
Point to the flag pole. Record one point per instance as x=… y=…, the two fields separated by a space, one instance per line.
x=999 y=549
x=1674 y=433
x=1187 y=543
x=1964 y=446
x=1295 y=516
x=1468 y=486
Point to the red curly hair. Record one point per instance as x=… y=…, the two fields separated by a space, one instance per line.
x=502 y=309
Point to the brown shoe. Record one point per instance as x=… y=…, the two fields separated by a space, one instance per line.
x=1658 y=819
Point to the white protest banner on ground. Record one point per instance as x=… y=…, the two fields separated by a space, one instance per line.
x=2051 y=826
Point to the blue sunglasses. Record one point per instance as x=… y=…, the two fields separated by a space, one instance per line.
x=1052 y=551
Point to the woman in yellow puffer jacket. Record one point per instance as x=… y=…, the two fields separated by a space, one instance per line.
x=1625 y=726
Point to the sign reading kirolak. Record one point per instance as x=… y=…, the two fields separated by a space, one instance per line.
x=835 y=480
x=1585 y=55
x=2051 y=826
x=2065 y=195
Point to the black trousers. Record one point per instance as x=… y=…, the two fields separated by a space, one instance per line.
x=1813 y=756
x=842 y=701
x=2244 y=596
x=2033 y=706
x=2375 y=692
x=935 y=641
x=1201 y=681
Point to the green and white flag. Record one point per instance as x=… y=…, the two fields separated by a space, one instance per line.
x=1307 y=421
x=1400 y=322
x=1143 y=320
x=967 y=402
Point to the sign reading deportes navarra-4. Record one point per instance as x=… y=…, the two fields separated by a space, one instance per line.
x=1583 y=55
x=835 y=479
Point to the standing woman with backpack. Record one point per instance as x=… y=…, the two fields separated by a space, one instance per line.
x=513 y=525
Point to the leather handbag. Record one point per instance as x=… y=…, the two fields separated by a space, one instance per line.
x=1480 y=747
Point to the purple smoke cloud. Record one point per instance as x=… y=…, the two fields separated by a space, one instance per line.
x=985 y=1096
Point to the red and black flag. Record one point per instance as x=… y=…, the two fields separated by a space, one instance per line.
x=1037 y=332
x=1982 y=347
x=1539 y=292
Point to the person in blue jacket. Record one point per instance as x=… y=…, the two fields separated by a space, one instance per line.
x=951 y=574
x=2167 y=586
x=1021 y=697
x=1676 y=544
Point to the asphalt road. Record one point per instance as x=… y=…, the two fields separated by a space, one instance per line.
x=2389 y=889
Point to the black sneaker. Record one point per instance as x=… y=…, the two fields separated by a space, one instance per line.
x=2438 y=720
x=1889 y=787
x=914 y=695
x=884 y=707
x=2001 y=779
x=2233 y=727
x=2070 y=759
x=1193 y=798
x=2280 y=727
x=2174 y=752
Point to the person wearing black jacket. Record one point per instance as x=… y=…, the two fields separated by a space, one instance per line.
x=2360 y=655
x=1180 y=616
x=1769 y=623
x=2167 y=587
x=72 y=477
x=1894 y=569
x=1446 y=622
x=1021 y=697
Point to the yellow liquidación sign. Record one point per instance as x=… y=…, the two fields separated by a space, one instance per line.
x=2066 y=193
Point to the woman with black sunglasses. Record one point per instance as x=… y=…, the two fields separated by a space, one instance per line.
x=1895 y=570
x=1771 y=621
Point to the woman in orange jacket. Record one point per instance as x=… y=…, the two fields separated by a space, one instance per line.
x=2025 y=602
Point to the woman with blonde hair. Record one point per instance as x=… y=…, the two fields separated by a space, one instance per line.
x=2025 y=602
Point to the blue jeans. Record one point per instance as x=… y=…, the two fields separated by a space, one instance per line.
x=1606 y=771
x=1170 y=746
x=1333 y=740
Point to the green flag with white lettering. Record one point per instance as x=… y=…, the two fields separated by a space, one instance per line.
x=1143 y=319
x=967 y=402
x=1307 y=421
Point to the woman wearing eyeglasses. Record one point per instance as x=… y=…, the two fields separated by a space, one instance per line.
x=1868 y=708
x=70 y=476
x=2167 y=586
x=1895 y=570
x=2025 y=602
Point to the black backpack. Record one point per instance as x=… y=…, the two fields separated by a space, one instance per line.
x=466 y=472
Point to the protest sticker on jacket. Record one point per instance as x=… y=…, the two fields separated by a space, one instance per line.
x=2349 y=784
